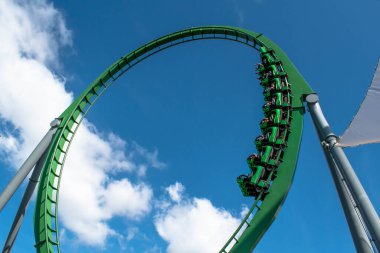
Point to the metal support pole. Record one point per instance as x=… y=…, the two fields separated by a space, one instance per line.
x=358 y=233
x=33 y=180
x=28 y=165
x=328 y=138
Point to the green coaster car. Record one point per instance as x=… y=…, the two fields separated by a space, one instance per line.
x=253 y=159
x=260 y=69
x=275 y=103
x=257 y=174
x=270 y=91
x=259 y=142
x=250 y=186
x=271 y=133
x=275 y=136
x=267 y=59
x=246 y=187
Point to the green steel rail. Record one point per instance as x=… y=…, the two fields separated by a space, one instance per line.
x=262 y=213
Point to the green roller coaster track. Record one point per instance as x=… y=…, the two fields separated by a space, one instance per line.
x=263 y=211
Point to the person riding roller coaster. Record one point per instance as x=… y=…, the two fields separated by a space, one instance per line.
x=275 y=103
x=253 y=159
x=268 y=161
x=276 y=118
x=271 y=90
x=246 y=187
x=254 y=183
x=260 y=69
x=274 y=136
x=267 y=59
x=259 y=142
x=278 y=100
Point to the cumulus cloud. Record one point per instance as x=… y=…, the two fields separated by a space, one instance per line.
x=193 y=224
x=88 y=185
x=27 y=85
x=175 y=191
x=92 y=192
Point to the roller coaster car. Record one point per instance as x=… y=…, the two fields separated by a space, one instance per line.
x=265 y=50
x=281 y=75
x=242 y=182
x=258 y=175
x=275 y=103
x=273 y=69
x=276 y=158
x=271 y=133
x=265 y=77
x=286 y=117
x=283 y=137
x=253 y=159
x=270 y=157
x=274 y=118
x=276 y=137
x=277 y=100
x=267 y=59
x=264 y=80
x=286 y=99
x=267 y=56
x=266 y=153
x=270 y=92
x=262 y=143
x=259 y=142
x=268 y=106
x=268 y=123
x=278 y=84
x=268 y=80
x=260 y=68
x=246 y=187
x=279 y=117
x=264 y=123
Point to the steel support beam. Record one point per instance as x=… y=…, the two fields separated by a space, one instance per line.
x=346 y=176
x=28 y=165
x=17 y=222
x=352 y=214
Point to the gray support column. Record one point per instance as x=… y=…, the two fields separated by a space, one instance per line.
x=357 y=191
x=358 y=233
x=28 y=165
x=364 y=204
x=33 y=180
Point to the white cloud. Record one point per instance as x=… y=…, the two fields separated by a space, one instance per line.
x=27 y=85
x=32 y=34
x=87 y=185
x=124 y=199
x=194 y=225
x=132 y=232
x=244 y=211
x=175 y=191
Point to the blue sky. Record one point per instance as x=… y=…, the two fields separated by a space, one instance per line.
x=187 y=115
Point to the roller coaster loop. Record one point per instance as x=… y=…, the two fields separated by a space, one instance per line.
x=270 y=178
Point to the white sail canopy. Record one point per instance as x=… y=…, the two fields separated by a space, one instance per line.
x=365 y=127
